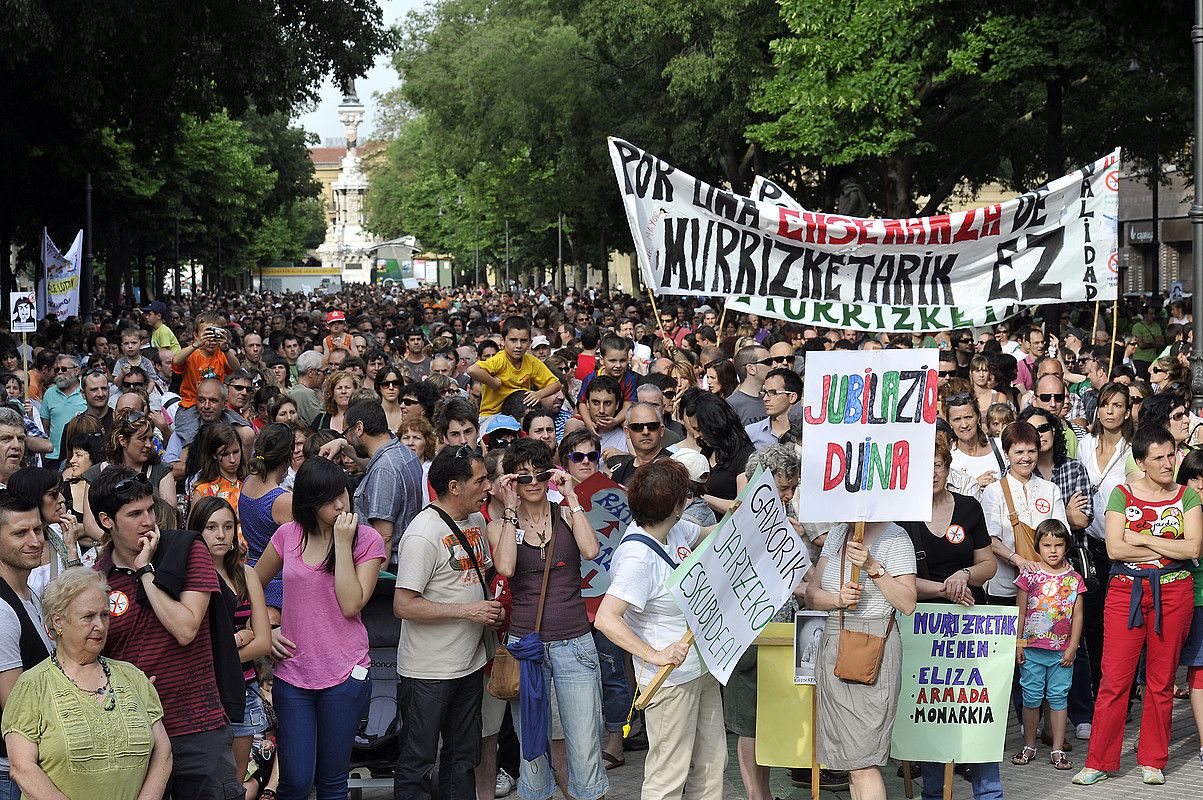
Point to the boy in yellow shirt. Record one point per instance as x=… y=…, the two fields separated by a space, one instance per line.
x=512 y=369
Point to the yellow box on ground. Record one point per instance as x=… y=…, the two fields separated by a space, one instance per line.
x=783 y=710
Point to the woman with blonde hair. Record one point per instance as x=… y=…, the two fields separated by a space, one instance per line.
x=130 y=445
x=336 y=399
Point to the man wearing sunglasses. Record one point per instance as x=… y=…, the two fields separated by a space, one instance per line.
x=1051 y=395
x=752 y=363
x=645 y=438
x=62 y=402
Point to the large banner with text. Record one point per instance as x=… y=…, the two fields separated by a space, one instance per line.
x=957 y=667
x=58 y=282
x=1055 y=244
x=733 y=583
x=869 y=439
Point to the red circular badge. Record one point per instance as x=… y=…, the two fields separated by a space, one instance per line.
x=683 y=553
x=1043 y=506
x=955 y=534
x=118 y=603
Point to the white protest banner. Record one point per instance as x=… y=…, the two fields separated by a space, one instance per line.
x=22 y=312
x=1053 y=245
x=733 y=583
x=863 y=316
x=58 y=286
x=869 y=436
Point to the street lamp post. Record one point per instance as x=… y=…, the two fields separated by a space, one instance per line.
x=1196 y=211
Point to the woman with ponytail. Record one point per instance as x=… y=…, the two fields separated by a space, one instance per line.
x=264 y=504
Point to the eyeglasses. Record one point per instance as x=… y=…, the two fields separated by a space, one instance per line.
x=1050 y=397
x=61 y=370
x=1178 y=415
x=640 y=427
x=540 y=477
x=388 y=384
x=577 y=457
x=774 y=392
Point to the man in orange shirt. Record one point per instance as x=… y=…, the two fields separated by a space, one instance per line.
x=209 y=356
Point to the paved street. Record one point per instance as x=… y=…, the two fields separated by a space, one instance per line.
x=1184 y=779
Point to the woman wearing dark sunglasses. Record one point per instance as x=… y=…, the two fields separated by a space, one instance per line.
x=531 y=534
x=388 y=384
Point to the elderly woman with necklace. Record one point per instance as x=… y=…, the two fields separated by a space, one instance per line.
x=113 y=711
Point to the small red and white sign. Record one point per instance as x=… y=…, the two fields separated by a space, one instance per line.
x=118 y=603
x=1043 y=506
x=955 y=534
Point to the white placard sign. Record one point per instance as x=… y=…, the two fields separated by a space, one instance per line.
x=23 y=312
x=868 y=444
x=737 y=579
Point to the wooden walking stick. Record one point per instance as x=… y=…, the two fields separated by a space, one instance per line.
x=645 y=695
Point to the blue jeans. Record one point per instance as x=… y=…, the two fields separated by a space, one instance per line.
x=9 y=790
x=572 y=665
x=987 y=785
x=616 y=690
x=316 y=730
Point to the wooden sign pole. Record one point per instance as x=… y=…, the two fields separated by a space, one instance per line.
x=858 y=535
x=1095 y=326
x=1114 y=329
x=908 y=780
x=948 y=776
x=814 y=744
x=645 y=695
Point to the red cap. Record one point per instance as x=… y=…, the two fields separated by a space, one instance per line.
x=335 y=316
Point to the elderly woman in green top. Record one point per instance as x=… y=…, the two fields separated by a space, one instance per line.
x=79 y=724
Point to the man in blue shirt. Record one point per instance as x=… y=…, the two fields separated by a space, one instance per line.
x=62 y=402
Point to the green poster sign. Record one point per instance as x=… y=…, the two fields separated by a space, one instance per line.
x=957 y=666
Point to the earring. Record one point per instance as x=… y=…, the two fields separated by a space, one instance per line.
x=58 y=631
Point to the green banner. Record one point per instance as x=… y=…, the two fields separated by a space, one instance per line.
x=957 y=666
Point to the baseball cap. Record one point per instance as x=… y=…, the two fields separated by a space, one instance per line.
x=156 y=306
x=696 y=463
x=335 y=316
x=499 y=422
x=1078 y=332
x=540 y=341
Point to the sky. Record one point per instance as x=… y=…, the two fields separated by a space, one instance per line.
x=323 y=120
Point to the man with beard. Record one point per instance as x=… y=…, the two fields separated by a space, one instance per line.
x=62 y=402
x=23 y=638
x=392 y=490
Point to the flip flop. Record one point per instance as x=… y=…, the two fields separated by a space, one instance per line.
x=612 y=761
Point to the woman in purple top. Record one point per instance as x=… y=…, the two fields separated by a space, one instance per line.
x=321 y=689
x=522 y=546
x=264 y=505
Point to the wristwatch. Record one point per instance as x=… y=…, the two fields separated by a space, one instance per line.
x=877 y=572
x=149 y=569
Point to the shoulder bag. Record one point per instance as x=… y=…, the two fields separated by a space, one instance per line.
x=506 y=677
x=859 y=656
x=1025 y=536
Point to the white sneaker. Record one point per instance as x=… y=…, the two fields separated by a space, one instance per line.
x=1201 y=758
x=1083 y=731
x=505 y=784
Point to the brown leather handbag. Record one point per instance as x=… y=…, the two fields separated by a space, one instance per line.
x=1025 y=535
x=858 y=659
x=504 y=680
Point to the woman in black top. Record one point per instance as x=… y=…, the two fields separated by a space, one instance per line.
x=725 y=442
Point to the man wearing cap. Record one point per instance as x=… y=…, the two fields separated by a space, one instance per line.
x=160 y=334
x=338 y=337
x=540 y=347
x=645 y=435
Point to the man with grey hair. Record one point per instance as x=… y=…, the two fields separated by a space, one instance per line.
x=12 y=443
x=751 y=365
x=653 y=395
x=211 y=397
x=307 y=392
x=61 y=403
x=645 y=437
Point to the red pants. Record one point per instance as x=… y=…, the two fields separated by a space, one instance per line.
x=1121 y=652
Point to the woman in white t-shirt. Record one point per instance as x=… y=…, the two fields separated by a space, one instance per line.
x=1034 y=500
x=686 y=738
x=973 y=452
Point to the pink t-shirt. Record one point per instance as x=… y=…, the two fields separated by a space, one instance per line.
x=328 y=644
x=1051 y=598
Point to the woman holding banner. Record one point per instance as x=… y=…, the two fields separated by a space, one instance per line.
x=687 y=742
x=1154 y=529
x=1030 y=498
x=953 y=560
x=856 y=719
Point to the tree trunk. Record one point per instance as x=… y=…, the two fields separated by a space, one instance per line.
x=896 y=174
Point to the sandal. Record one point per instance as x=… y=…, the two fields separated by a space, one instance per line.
x=1057 y=759
x=1024 y=756
x=612 y=761
x=1181 y=692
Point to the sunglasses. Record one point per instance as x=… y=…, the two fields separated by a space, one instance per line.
x=780 y=359
x=948 y=373
x=407 y=401
x=61 y=370
x=1157 y=371
x=1050 y=397
x=1178 y=416
x=1045 y=428
x=241 y=387
x=669 y=394
x=640 y=427
x=464 y=451
x=388 y=384
x=541 y=477
x=577 y=457
x=501 y=442
x=125 y=484
x=133 y=385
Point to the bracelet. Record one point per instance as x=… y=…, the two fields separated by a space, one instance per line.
x=968 y=574
x=75 y=562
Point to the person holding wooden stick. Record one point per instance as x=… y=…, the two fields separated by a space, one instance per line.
x=868 y=578
x=684 y=720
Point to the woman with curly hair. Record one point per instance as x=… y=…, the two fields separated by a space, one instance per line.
x=336 y=398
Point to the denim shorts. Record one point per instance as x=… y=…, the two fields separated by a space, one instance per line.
x=1041 y=677
x=254 y=718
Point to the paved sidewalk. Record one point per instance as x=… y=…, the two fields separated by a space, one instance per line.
x=1184 y=779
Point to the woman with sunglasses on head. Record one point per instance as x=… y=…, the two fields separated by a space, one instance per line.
x=974 y=453
x=131 y=445
x=1167 y=410
x=1154 y=529
x=561 y=538
x=330 y=563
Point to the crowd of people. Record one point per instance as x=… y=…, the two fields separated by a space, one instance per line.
x=200 y=500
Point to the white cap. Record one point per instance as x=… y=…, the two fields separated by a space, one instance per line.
x=540 y=341
x=697 y=464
